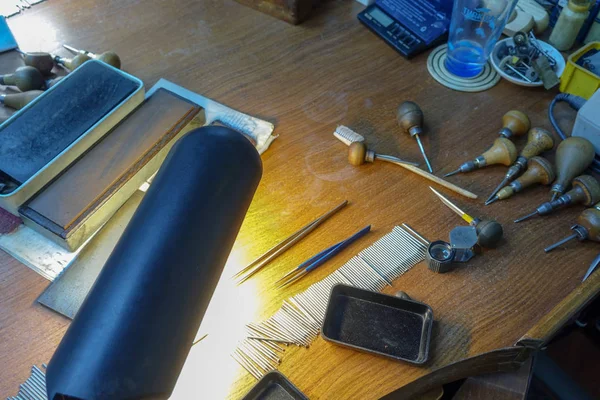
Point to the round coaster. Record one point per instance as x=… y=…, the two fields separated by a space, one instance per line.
x=435 y=65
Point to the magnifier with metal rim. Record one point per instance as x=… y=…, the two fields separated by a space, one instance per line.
x=440 y=256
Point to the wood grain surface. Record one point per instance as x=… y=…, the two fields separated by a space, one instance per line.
x=307 y=79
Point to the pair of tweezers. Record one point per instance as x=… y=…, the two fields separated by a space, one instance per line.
x=318 y=259
x=282 y=246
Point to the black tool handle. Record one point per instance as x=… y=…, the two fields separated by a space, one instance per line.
x=133 y=332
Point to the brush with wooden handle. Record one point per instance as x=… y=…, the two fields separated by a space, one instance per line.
x=359 y=154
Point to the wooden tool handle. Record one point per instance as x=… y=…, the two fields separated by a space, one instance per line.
x=410 y=117
x=43 y=62
x=539 y=140
x=590 y=220
x=111 y=58
x=20 y=100
x=76 y=61
x=503 y=151
x=437 y=180
x=25 y=78
x=586 y=190
x=573 y=156
x=516 y=123
x=539 y=170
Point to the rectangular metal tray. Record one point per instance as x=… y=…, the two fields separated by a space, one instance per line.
x=77 y=203
x=274 y=386
x=376 y=323
x=47 y=108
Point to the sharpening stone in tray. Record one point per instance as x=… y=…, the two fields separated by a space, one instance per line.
x=78 y=202
x=40 y=133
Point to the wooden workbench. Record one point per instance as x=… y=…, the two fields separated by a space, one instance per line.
x=307 y=79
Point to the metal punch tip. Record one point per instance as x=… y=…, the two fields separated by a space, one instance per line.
x=526 y=217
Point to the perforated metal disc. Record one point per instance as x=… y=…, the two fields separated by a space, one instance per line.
x=436 y=67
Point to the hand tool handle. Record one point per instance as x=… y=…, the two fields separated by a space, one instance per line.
x=134 y=330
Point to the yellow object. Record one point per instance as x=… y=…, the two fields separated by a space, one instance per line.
x=578 y=80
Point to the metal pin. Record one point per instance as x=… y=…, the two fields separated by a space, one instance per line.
x=365 y=280
x=269 y=340
x=533 y=214
x=283 y=318
x=37 y=387
x=373 y=267
x=258 y=358
x=275 y=325
x=302 y=301
x=247 y=365
x=362 y=264
x=415 y=233
x=271 y=326
x=376 y=283
x=240 y=362
x=300 y=317
x=290 y=325
x=265 y=351
x=304 y=310
x=263 y=329
x=301 y=320
x=356 y=280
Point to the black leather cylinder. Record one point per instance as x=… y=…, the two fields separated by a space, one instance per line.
x=132 y=334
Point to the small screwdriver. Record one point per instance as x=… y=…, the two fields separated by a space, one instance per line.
x=503 y=151
x=538 y=141
x=410 y=119
x=586 y=191
x=489 y=232
x=586 y=228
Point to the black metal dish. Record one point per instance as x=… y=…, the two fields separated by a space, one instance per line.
x=274 y=386
x=368 y=321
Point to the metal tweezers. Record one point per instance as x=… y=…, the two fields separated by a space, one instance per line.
x=282 y=246
x=319 y=259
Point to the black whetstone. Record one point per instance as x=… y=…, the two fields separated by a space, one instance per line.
x=67 y=111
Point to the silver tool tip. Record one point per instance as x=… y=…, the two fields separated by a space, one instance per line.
x=525 y=217
x=491 y=200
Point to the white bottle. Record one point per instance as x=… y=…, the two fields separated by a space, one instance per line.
x=569 y=24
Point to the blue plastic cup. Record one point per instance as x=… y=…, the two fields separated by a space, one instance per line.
x=475 y=28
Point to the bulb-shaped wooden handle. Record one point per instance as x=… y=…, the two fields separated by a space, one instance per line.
x=573 y=156
x=43 y=62
x=111 y=58
x=539 y=170
x=539 y=140
x=25 y=78
x=590 y=220
x=357 y=153
x=514 y=123
x=20 y=100
x=410 y=118
x=75 y=62
x=503 y=151
x=586 y=190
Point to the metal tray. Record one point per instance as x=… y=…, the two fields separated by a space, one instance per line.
x=274 y=386
x=372 y=322
x=25 y=190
